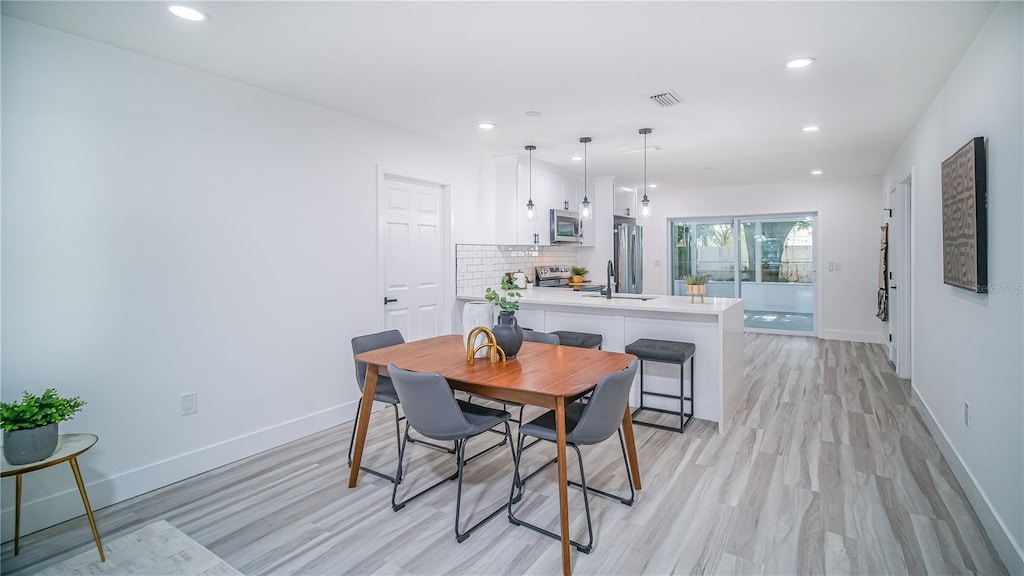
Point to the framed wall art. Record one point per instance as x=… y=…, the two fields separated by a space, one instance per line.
x=964 y=229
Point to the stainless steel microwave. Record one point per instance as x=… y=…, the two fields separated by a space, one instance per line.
x=566 y=227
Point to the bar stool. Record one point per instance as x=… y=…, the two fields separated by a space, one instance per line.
x=669 y=352
x=578 y=339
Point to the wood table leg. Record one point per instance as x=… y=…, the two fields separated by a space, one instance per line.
x=563 y=484
x=369 y=391
x=17 y=512
x=88 y=507
x=627 y=431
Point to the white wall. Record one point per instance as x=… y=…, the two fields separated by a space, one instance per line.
x=967 y=347
x=167 y=231
x=849 y=212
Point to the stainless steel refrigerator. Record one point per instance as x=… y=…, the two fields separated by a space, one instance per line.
x=629 y=258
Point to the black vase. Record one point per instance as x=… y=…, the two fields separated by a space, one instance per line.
x=508 y=334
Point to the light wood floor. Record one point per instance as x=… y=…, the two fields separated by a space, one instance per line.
x=830 y=471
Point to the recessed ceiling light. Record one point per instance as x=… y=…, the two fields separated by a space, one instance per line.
x=624 y=189
x=816 y=172
x=486 y=126
x=532 y=113
x=812 y=128
x=801 y=62
x=190 y=14
x=577 y=158
x=652 y=185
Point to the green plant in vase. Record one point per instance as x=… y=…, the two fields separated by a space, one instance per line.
x=696 y=285
x=509 y=302
x=507 y=332
x=578 y=272
x=30 y=425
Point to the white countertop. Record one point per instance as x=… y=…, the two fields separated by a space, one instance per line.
x=658 y=303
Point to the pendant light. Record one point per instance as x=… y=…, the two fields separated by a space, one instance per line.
x=645 y=203
x=531 y=213
x=585 y=213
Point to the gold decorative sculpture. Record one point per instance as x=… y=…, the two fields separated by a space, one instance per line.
x=495 y=350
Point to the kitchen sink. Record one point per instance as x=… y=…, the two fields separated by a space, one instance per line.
x=619 y=296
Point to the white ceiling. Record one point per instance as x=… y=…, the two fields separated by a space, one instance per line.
x=440 y=68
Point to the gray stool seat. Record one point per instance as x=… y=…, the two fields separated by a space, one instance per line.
x=578 y=339
x=671 y=352
x=662 y=350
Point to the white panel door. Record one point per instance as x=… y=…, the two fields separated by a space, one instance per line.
x=412 y=257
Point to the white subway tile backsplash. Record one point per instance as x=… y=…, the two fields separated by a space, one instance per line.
x=481 y=265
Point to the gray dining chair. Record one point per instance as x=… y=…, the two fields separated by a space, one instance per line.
x=540 y=337
x=432 y=410
x=385 y=392
x=585 y=424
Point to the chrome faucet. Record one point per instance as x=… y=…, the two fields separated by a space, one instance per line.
x=607 y=292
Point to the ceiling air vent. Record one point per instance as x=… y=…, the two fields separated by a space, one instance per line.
x=665 y=99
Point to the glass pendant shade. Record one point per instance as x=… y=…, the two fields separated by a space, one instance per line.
x=531 y=212
x=645 y=204
x=585 y=213
x=585 y=210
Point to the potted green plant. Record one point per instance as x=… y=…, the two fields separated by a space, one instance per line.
x=578 y=272
x=507 y=332
x=696 y=284
x=30 y=425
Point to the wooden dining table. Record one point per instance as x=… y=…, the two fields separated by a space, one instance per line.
x=541 y=375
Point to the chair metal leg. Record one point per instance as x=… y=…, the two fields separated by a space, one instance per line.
x=520 y=522
x=351 y=442
x=395 y=504
x=632 y=491
x=462 y=536
x=519 y=483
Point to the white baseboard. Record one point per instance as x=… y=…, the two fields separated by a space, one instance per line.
x=852 y=336
x=57 y=508
x=1009 y=551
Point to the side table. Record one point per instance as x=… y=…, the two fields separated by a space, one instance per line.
x=69 y=447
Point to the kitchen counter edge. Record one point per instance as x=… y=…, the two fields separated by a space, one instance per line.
x=563 y=297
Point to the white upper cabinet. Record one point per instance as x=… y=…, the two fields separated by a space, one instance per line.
x=512 y=192
x=624 y=200
x=550 y=191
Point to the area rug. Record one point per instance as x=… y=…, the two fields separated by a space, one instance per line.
x=157 y=549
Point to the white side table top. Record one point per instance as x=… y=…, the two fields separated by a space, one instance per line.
x=68 y=447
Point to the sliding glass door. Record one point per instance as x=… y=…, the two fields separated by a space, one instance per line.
x=767 y=260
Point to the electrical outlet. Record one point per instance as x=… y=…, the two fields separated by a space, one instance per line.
x=967 y=414
x=189 y=403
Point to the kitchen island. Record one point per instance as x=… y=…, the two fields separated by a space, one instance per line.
x=715 y=327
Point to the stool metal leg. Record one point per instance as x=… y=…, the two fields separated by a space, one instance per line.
x=684 y=416
x=88 y=508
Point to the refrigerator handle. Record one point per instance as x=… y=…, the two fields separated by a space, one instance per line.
x=633 y=261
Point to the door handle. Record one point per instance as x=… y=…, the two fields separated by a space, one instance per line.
x=893 y=287
x=389 y=300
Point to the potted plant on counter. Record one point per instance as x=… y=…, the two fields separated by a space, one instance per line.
x=30 y=425
x=507 y=332
x=696 y=284
x=578 y=272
